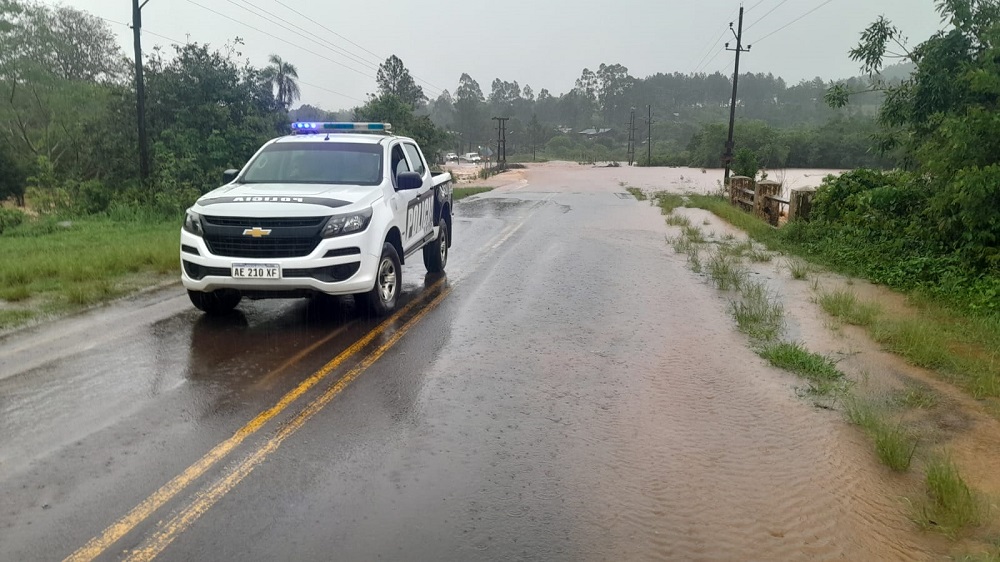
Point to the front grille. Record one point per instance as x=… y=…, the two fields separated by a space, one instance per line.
x=286 y=237
x=247 y=247
x=250 y=222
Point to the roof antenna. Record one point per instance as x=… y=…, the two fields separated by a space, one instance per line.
x=327 y=137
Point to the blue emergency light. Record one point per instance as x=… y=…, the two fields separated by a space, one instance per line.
x=305 y=127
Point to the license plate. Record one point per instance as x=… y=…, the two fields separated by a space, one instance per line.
x=256 y=271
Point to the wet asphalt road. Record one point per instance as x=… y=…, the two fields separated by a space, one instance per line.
x=569 y=391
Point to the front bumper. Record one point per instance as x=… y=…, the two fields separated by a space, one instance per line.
x=337 y=266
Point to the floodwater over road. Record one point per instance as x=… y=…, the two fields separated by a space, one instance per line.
x=569 y=391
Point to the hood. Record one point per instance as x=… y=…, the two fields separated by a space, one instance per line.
x=260 y=199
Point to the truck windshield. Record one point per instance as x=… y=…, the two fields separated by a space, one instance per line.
x=326 y=162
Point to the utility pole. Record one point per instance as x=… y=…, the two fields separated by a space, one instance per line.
x=501 y=142
x=631 y=138
x=727 y=156
x=140 y=90
x=649 y=135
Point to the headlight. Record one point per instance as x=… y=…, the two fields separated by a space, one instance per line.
x=339 y=225
x=192 y=223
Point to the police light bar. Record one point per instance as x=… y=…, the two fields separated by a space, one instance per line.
x=304 y=127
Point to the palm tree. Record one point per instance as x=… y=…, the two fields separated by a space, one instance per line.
x=282 y=76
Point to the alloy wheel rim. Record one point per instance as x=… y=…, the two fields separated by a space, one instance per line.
x=387 y=280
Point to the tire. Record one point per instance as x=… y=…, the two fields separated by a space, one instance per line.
x=436 y=253
x=381 y=300
x=217 y=302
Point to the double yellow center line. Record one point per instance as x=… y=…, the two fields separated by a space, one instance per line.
x=206 y=498
x=203 y=501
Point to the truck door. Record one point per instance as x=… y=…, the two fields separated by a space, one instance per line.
x=420 y=208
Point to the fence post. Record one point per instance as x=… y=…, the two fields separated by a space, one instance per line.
x=764 y=207
x=800 y=203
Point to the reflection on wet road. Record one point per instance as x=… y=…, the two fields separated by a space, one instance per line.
x=569 y=391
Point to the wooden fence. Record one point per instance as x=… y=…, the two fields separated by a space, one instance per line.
x=763 y=199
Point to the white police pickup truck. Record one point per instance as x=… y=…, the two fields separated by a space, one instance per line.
x=334 y=208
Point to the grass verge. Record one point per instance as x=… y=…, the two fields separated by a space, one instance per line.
x=845 y=306
x=459 y=193
x=47 y=269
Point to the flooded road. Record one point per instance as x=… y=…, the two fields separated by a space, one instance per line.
x=569 y=391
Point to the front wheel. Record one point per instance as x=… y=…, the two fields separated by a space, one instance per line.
x=381 y=300
x=436 y=253
x=216 y=302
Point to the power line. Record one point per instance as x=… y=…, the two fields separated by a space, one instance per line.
x=769 y=12
x=379 y=57
x=144 y=30
x=755 y=5
x=275 y=37
x=331 y=91
x=715 y=56
x=709 y=51
x=270 y=17
x=794 y=21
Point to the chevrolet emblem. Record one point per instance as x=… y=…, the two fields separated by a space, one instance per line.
x=257 y=232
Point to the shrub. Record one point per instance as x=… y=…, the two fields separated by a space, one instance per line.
x=9 y=218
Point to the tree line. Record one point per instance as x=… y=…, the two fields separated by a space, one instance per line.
x=68 y=135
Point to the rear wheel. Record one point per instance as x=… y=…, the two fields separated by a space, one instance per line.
x=381 y=300
x=215 y=302
x=436 y=253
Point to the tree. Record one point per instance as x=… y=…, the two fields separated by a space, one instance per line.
x=282 y=75
x=391 y=109
x=944 y=120
x=613 y=83
x=469 y=118
x=12 y=178
x=536 y=135
x=393 y=78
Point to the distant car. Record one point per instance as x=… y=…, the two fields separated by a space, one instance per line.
x=451 y=157
x=472 y=157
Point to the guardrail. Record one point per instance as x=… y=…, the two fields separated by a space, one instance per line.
x=763 y=199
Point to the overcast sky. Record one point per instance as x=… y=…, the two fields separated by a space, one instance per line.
x=543 y=43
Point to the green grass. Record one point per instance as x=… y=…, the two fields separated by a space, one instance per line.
x=678 y=220
x=894 y=445
x=845 y=306
x=694 y=260
x=694 y=234
x=820 y=371
x=757 y=314
x=10 y=318
x=933 y=346
x=46 y=269
x=639 y=194
x=964 y=348
x=667 y=202
x=799 y=269
x=459 y=193
x=951 y=505
x=727 y=272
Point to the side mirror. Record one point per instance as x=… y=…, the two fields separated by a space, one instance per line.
x=229 y=176
x=409 y=180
